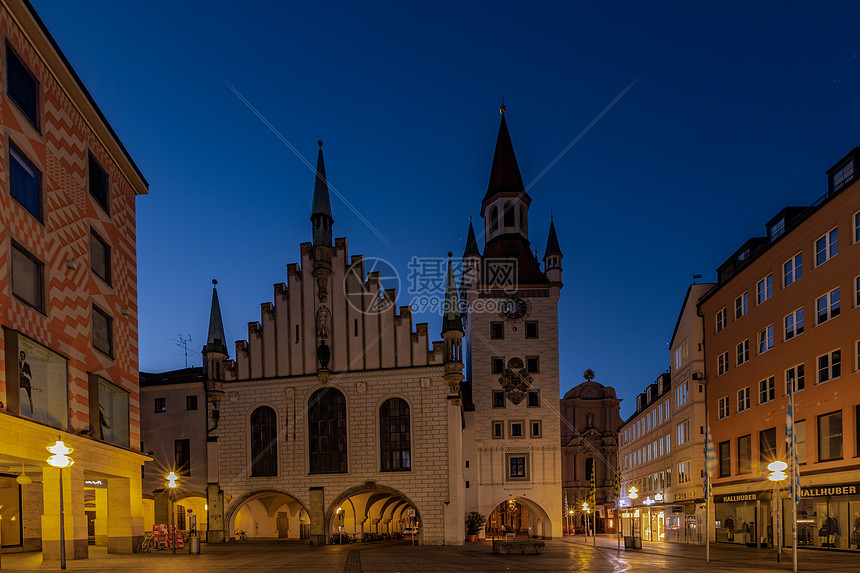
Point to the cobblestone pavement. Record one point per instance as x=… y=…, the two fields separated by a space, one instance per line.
x=568 y=554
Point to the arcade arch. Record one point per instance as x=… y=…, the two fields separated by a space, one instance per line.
x=372 y=509
x=269 y=515
x=522 y=516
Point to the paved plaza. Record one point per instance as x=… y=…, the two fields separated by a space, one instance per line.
x=392 y=557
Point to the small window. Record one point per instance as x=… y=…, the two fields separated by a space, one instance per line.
x=22 y=86
x=25 y=182
x=842 y=176
x=741 y=306
x=721 y=319
x=99 y=184
x=182 y=457
x=508 y=215
x=793 y=324
x=191 y=402
x=830 y=366
x=102 y=331
x=497 y=330
x=498 y=365
x=517 y=466
x=743 y=352
x=764 y=289
x=536 y=428
x=767 y=446
x=534 y=399
x=498 y=399
x=792 y=269
x=795 y=379
x=745 y=454
x=744 y=399
x=531 y=330
x=725 y=459
x=766 y=390
x=765 y=339
x=722 y=363
x=857 y=227
x=160 y=405
x=516 y=430
x=498 y=430
x=830 y=437
x=27 y=278
x=99 y=257
x=827 y=306
x=533 y=364
x=827 y=246
x=494 y=219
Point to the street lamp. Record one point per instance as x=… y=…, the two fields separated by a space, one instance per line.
x=60 y=459
x=172 y=478
x=633 y=494
x=586 y=511
x=777 y=474
x=569 y=520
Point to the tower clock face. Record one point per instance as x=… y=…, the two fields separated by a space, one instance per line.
x=514 y=308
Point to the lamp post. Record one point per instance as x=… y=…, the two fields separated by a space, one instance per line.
x=569 y=520
x=777 y=474
x=633 y=494
x=60 y=459
x=172 y=478
x=586 y=510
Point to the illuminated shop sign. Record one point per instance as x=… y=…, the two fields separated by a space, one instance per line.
x=831 y=490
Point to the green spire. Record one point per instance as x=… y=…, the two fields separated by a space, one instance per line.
x=215 y=340
x=451 y=317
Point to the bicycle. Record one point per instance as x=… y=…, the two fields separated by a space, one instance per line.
x=148 y=544
x=240 y=535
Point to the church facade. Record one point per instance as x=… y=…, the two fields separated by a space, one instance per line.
x=338 y=415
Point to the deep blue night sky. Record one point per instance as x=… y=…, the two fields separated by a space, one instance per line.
x=736 y=111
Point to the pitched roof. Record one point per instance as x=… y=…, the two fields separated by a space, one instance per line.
x=505 y=173
x=552 y=247
x=321 y=203
x=215 y=342
x=471 y=242
x=451 y=317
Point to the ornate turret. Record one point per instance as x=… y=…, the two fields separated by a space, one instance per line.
x=552 y=256
x=505 y=206
x=321 y=219
x=215 y=350
x=452 y=332
x=471 y=261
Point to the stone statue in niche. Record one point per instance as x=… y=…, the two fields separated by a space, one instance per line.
x=323 y=355
x=589 y=420
x=323 y=315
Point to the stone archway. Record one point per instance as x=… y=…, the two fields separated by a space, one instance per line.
x=520 y=515
x=268 y=514
x=373 y=511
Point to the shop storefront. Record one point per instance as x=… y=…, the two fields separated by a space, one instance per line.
x=828 y=517
x=738 y=518
x=684 y=523
x=11 y=532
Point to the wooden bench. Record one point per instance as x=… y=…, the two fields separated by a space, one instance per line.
x=518 y=547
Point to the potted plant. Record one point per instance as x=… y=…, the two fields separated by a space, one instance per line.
x=474 y=522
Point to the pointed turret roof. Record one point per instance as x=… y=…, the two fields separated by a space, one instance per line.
x=505 y=174
x=451 y=318
x=215 y=341
x=471 y=242
x=552 y=247
x=321 y=204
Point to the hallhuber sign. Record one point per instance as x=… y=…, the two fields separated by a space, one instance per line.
x=835 y=489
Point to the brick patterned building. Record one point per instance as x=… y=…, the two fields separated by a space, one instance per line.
x=68 y=302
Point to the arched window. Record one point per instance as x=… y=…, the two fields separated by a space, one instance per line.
x=494 y=219
x=522 y=217
x=509 y=215
x=394 y=438
x=327 y=429
x=264 y=442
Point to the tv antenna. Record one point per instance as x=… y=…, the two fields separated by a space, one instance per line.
x=183 y=344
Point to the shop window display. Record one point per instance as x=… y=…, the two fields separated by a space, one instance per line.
x=828 y=522
x=10 y=511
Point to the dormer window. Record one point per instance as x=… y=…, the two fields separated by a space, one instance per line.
x=776 y=229
x=842 y=176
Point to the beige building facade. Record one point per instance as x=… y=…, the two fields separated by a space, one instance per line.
x=784 y=317
x=68 y=306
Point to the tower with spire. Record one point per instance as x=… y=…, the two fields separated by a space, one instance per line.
x=215 y=350
x=511 y=357
x=321 y=219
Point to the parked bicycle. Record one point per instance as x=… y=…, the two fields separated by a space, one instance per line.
x=148 y=544
x=240 y=535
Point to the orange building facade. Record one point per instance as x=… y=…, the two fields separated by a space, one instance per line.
x=68 y=304
x=784 y=316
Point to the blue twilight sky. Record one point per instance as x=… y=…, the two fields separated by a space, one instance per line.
x=736 y=111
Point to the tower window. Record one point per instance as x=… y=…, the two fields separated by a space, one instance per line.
x=531 y=330
x=494 y=219
x=498 y=365
x=497 y=330
x=498 y=399
x=509 y=215
x=522 y=218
